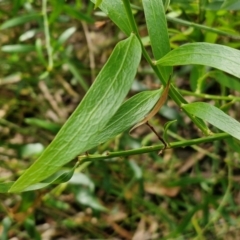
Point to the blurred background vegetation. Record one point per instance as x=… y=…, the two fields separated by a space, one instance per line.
x=51 y=52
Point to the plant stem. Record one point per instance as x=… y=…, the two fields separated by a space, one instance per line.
x=197 y=148
x=202 y=27
x=208 y=96
x=47 y=35
x=148 y=149
x=174 y=94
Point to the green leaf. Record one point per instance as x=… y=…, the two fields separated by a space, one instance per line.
x=158 y=32
x=218 y=56
x=65 y=35
x=20 y=20
x=18 y=48
x=57 y=178
x=63 y=176
x=130 y=113
x=116 y=12
x=27 y=35
x=215 y=116
x=231 y=4
x=93 y=113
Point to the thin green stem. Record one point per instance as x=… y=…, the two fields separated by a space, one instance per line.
x=148 y=149
x=174 y=94
x=208 y=96
x=47 y=35
x=202 y=27
x=197 y=148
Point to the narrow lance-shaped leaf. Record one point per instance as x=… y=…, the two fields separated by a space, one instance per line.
x=21 y=20
x=66 y=35
x=218 y=56
x=157 y=28
x=93 y=113
x=18 y=48
x=130 y=113
x=56 y=178
x=215 y=116
x=231 y=4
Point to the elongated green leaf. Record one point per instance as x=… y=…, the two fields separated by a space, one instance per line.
x=116 y=12
x=27 y=35
x=18 y=48
x=130 y=113
x=221 y=57
x=66 y=35
x=20 y=20
x=215 y=116
x=158 y=33
x=91 y=116
x=57 y=178
x=231 y=4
